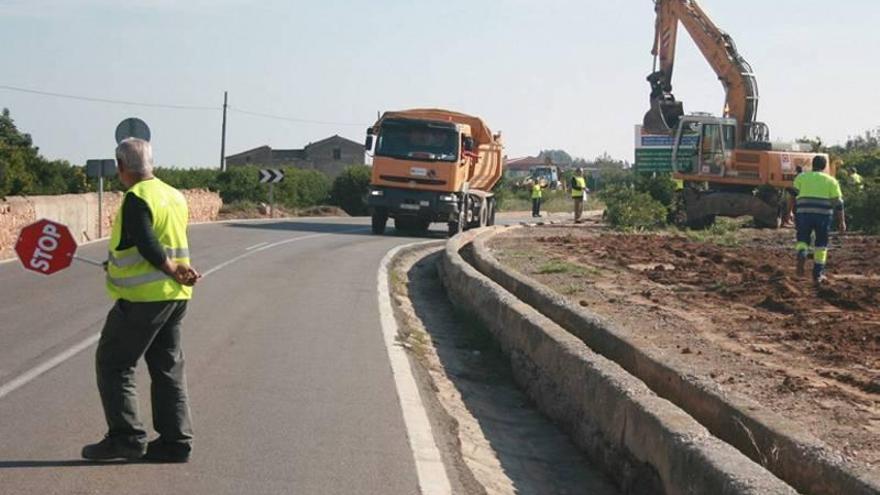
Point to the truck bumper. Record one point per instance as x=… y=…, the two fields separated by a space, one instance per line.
x=407 y=203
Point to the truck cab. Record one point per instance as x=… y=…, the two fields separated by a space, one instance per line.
x=432 y=165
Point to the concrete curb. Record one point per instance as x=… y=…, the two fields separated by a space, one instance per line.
x=648 y=444
x=790 y=453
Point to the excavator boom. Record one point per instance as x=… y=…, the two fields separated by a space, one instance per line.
x=735 y=74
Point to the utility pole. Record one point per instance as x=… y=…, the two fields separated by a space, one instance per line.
x=223 y=137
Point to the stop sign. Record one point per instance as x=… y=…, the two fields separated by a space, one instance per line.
x=45 y=247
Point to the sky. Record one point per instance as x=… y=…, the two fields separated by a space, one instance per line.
x=561 y=74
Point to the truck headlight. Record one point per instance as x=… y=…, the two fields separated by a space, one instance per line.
x=449 y=198
x=377 y=192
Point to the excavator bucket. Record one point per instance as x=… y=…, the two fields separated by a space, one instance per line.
x=663 y=116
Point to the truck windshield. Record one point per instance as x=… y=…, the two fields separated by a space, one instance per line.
x=415 y=141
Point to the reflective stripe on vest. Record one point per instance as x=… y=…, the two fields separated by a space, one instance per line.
x=129 y=275
x=129 y=282
x=578 y=192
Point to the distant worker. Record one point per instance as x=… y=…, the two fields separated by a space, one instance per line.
x=678 y=185
x=818 y=199
x=150 y=280
x=578 y=193
x=537 y=195
x=857 y=179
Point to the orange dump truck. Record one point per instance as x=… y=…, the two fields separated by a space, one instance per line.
x=432 y=165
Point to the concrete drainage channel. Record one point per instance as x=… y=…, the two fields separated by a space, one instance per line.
x=631 y=413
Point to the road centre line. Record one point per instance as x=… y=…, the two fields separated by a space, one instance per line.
x=33 y=373
x=430 y=470
x=255 y=246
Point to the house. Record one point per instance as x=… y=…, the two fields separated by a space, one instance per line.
x=521 y=168
x=330 y=155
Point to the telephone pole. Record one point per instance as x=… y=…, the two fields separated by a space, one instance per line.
x=223 y=137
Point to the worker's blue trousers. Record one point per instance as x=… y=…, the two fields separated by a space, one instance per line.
x=808 y=224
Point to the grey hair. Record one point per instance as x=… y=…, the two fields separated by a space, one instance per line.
x=136 y=156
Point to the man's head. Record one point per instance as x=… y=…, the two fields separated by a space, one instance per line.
x=819 y=163
x=134 y=161
x=579 y=172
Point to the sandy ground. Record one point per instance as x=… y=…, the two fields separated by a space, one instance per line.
x=738 y=313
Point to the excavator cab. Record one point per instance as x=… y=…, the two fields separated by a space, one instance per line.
x=704 y=146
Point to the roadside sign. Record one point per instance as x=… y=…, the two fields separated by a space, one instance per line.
x=45 y=247
x=132 y=127
x=271 y=175
x=101 y=168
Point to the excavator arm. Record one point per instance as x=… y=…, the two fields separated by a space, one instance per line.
x=719 y=50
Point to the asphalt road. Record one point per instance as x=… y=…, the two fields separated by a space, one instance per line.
x=289 y=379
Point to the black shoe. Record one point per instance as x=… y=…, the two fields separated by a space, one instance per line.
x=113 y=448
x=159 y=451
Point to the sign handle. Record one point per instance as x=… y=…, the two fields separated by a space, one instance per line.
x=89 y=261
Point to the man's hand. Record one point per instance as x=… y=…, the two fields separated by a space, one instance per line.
x=181 y=272
x=841 y=227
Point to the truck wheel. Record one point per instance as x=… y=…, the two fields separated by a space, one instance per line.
x=484 y=213
x=379 y=220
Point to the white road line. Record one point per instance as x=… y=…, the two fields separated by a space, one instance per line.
x=31 y=374
x=255 y=246
x=429 y=465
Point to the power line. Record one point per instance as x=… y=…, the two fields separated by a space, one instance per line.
x=174 y=107
x=107 y=100
x=292 y=119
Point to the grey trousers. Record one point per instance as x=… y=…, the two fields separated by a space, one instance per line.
x=151 y=330
x=578 y=208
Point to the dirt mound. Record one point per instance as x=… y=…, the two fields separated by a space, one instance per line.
x=746 y=318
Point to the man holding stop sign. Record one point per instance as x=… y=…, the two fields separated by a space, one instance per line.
x=150 y=279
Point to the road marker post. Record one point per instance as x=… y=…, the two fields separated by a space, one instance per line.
x=271 y=176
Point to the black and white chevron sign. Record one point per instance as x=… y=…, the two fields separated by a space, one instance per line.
x=271 y=175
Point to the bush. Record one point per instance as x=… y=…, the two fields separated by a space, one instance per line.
x=660 y=187
x=240 y=184
x=628 y=209
x=198 y=178
x=349 y=190
x=862 y=206
x=300 y=188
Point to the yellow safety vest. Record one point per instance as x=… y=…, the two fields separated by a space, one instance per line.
x=679 y=184
x=578 y=192
x=129 y=275
x=818 y=192
x=537 y=193
x=856 y=178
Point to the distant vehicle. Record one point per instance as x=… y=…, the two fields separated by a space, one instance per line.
x=727 y=163
x=548 y=175
x=433 y=165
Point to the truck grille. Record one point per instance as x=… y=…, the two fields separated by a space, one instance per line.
x=406 y=180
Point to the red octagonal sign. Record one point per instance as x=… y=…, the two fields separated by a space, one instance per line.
x=45 y=247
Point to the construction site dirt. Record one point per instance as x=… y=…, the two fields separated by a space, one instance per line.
x=734 y=309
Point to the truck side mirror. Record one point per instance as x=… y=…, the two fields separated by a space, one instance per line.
x=468 y=143
x=368 y=144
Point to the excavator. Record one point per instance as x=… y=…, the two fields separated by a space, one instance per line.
x=728 y=164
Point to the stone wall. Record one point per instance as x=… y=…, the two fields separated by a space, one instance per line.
x=80 y=213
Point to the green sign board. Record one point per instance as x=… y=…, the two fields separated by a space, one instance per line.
x=658 y=160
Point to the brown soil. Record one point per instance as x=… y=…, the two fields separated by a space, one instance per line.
x=738 y=314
